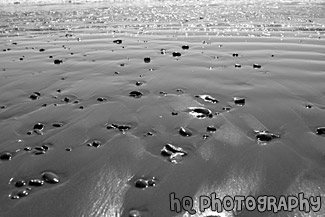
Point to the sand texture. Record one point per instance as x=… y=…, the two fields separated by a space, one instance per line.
x=106 y=108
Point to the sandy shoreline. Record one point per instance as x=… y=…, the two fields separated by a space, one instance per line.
x=107 y=110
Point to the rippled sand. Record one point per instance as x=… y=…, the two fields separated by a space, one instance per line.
x=92 y=93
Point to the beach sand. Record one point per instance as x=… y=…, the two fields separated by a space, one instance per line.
x=107 y=108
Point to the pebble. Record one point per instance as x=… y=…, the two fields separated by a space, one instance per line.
x=38 y=126
x=95 y=143
x=320 y=131
x=185 y=47
x=135 y=94
x=239 y=101
x=58 y=61
x=36 y=182
x=57 y=125
x=174 y=154
x=265 y=136
x=147 y=59
x=200 y=112
x=211 y=129
x=185 y=132
x=118 y=41
x=20 y=183
x=237 y=65
x=177 y=54
x=256 y=66
x=50 y=177
x=35 y=96
x=163 y=51
x=101 y=99
x=208 y=98
x=134 y=213
x=6 y=156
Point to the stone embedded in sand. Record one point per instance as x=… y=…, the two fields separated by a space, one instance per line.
x=265 y=136
x=176 y=157
x=147 y=59
x=320 y=131
x=174 y=113
x=50 y=177
x=163 y=93
x=134 y=213
x=205 y=136
x=57 y=125
x=239 y=101
x=138 y=83
x=36 y=182
x=211 y=129
x=145 y=183
x=174 y=154
x=169 y=149
x=118 y=41
x=237 y=65
x=101 y=99
x=40 y=148
x=111 y=126
x=27 y=148
x=207 y=98
x=185 y=47
x=20 y=183
x=58 y=61
x=95 y=143
x=35 y=96
x=256 y=66
x=41 y=50
x=185 y=132
x=123 y=128
x=135 y=94
x=38 y=126
x=141 y=183
x=21 y=193
x=226 y=108
x=200 y=112
x=163 y=51
x=66 y=99
x=39 y=152
x=5 y=156
x=46 y=146
x=308 y=106
x=177 y=54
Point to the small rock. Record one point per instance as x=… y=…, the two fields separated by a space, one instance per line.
x=50 y=177
x=58 y=61
x=177 y=54
x=320 y=131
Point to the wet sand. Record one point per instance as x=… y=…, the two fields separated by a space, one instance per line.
x=109 y=108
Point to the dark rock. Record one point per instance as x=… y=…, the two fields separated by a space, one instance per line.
x=118 y=41
x=320 y=131
x=36 y=182
x=185 y=132
x=135 y=94
x=58 y=61
x=50 y=177
x=5 y=156
x=177 y=54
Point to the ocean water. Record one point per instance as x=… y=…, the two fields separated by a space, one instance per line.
x=108 y=107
